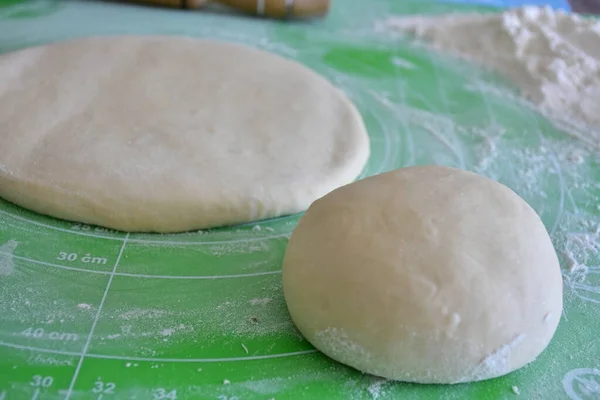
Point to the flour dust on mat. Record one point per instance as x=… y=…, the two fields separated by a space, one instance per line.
x=6 y=257
x=553 y=56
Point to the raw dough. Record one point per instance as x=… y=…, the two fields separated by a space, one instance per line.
x=424 y=274
x=170 y=133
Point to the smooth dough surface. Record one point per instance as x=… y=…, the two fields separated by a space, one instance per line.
x=424 y=274
x=170 y=134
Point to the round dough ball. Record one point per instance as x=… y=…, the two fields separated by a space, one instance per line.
x=424 y=274
x=170 y=133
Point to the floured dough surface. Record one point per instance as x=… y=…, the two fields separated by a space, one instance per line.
x=424 y=274
x=169 y=133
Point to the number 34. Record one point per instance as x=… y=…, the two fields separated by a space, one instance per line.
x=164 y=394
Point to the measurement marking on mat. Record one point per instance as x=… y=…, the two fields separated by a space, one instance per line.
x=2 y=212
x=57 y=265
x=89 y=228
x=87 y=258
x=158 y=360
x=40 y=333
x=96 y=318
x=41 y=381
x=101 y=388
x=144 y=275
x=164 y=394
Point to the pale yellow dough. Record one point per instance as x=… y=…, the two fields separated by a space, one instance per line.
x=424 y=274
x=169 y=133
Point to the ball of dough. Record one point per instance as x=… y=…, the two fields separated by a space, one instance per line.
x=167 y=134
x=424 y=274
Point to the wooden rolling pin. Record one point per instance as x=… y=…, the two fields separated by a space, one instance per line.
x=264 y=8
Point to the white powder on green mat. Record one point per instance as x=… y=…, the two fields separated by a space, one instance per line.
x=553 y=56
x=6 y=257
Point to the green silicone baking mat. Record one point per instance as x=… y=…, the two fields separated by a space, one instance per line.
x=91 y=313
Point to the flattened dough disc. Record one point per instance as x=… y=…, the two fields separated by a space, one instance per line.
x=166 y=134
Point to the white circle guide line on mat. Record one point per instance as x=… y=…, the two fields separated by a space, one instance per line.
x=561 y=206
x=387 y=138
x=154 y=359
x=178 y=243
x=456 y=150
x=401 y=88
x=388 y=146
x=144 y=241
x=486 y=102
x=96 y=318
x=93 y=271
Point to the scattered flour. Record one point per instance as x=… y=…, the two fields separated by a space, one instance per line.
x=260 y=302
x=6 y=257
x=516 y=390
x=552 y=55
x=139 y=313
x=496 y=363
x=580 y=254
x=167 y=332
x=376 y=389
x=340 y=346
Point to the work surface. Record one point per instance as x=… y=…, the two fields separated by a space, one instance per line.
x=89 y=313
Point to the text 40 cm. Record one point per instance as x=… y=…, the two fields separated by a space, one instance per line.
x=40 y=333
x=86 y=258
